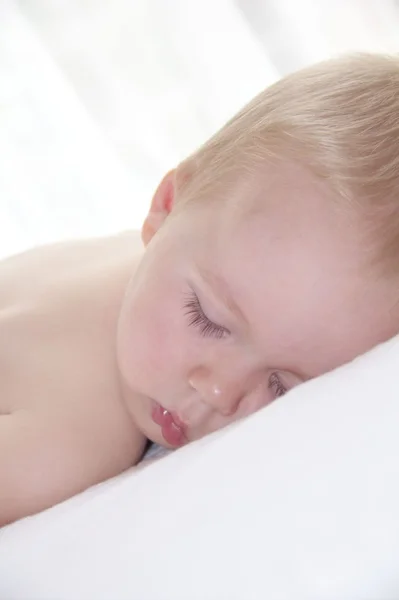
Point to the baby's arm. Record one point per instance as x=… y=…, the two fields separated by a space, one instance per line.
x=39 y=465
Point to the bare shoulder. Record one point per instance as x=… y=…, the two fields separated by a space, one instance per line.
x=44 y=460
x=69 y=254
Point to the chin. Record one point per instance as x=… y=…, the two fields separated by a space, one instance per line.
x=157 y=439
x=173 y=445
x=153 y=433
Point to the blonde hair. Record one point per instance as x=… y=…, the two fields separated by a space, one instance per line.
x=339 y=119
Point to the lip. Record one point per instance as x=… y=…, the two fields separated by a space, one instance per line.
x=173 y=429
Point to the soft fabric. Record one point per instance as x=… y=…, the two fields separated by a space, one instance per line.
x=300 y=501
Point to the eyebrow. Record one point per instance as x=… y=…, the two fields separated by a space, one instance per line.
x=221 y=288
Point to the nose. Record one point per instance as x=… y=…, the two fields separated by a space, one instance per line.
x=222 y=391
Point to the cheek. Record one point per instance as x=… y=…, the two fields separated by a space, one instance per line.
x=151 y=337
x=258 y=399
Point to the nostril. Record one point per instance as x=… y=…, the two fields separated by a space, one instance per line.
x=228 y=411
x=230 y=406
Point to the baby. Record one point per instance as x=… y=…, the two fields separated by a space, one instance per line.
x=269 y=257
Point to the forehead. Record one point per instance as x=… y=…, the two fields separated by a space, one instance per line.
x=285 y=214
x=294 y=264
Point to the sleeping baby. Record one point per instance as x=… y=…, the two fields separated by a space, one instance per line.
x=268 y=258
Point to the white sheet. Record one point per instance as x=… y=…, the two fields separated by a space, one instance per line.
x=300 y=501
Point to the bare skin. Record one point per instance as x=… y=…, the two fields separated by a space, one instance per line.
x=58 y=311
x=105 y=344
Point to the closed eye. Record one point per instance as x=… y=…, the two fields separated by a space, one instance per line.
x=276 y=385
x=197 y=318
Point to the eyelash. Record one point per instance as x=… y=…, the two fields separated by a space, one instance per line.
x=197 y=318
x=276 y=385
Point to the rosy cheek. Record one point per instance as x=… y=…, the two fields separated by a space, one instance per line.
x=145 y=340
x=155 y=342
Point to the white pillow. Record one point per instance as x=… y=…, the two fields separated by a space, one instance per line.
x=298 y=502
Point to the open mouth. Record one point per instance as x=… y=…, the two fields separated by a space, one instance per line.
x=172 y=429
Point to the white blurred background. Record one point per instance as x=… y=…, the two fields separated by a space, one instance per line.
x=99 y=98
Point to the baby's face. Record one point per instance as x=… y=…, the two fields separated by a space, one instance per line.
x=229 y=308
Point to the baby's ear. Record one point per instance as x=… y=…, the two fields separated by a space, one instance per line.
x=161 y=205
